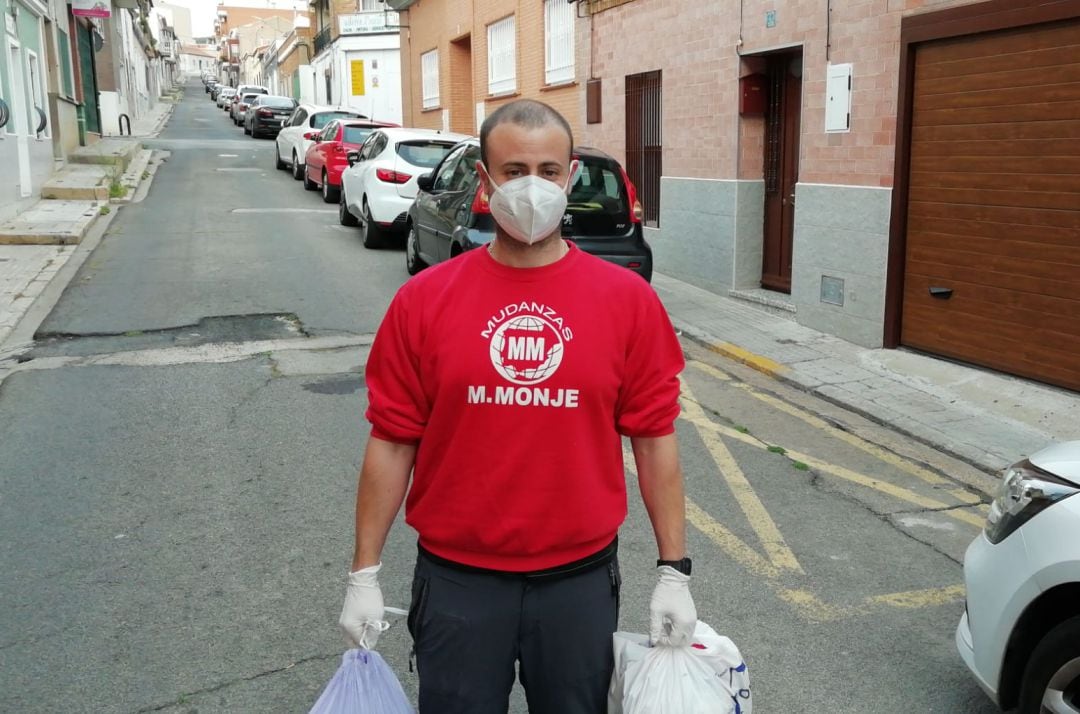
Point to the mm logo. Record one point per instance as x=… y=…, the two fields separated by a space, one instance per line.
x=526 y=349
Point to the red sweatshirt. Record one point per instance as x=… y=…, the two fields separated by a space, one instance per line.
x=516 y=384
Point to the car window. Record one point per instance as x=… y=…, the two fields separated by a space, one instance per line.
x=276 y=102
x=319 y=120
x=329 y=132
x=465 y=172
x=444 y=175
x=425 y=154
x=598 y=200
x=356 y=134
x=248 y=98
x=365 y=150
x=298 y=117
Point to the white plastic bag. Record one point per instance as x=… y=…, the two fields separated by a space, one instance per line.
x=363 y=683
x=659 y=680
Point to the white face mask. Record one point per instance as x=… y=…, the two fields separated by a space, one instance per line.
x=529 y=208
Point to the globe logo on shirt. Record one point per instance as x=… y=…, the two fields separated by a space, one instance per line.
x=526 y=349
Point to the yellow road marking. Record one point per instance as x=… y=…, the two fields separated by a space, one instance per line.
x=858 y=442
x=918 y=599
x=710 y=370
x=806 y=604
x=728 y=542
x=887 y=488
x=813 y=608
x=764 y=526
x=693 y=413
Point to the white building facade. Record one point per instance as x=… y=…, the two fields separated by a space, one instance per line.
x=361 y=67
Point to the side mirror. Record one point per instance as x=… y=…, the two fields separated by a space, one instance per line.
x=311 y=135
x=424 y=182
x=284 y=122
x=352 y=157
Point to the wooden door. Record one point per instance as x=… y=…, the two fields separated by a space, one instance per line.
x=782 y=123
x=992 y=265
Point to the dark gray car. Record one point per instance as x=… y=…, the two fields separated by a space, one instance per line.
x=451 y=215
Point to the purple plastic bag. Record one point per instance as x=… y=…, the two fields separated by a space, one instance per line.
x=363 y=684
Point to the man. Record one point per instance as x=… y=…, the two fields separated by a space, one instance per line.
x=502 y=380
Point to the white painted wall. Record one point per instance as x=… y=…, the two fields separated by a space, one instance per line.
x=382 y=75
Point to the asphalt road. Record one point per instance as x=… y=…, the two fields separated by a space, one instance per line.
x=178 y=464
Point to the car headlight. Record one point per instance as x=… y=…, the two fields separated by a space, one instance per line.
x=1025 y=491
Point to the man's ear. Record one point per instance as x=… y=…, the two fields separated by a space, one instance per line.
x=571 y=177
x=485 y=177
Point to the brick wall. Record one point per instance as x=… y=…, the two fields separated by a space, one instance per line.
x=704 y=137
x=458 y=27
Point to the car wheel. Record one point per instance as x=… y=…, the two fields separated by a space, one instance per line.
x=373 y=234
x=413 y=262
x=329 y=193
x=278 y=163
x=344 y=216
x=308 y=183
x=297 y=169
x=1052 y=676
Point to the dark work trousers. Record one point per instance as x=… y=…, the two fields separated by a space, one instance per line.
x=469 y=629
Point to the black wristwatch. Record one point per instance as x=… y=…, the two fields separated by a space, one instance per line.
x=683 y=566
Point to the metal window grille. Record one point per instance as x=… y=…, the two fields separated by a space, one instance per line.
x=558 y=41
x=644 y=140
x=369 y=6
x=502 y=57
x=429 y=66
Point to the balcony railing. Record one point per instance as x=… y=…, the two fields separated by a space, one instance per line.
x=322 y=39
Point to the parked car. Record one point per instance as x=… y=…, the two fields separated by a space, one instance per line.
x=380 y=183
x=1020 y=631
x=239 y=108
x=241 y=91
x=209 y=85
x=225 y=95
x=299 y=131
x=451 y=213
x=326 y=158
x=266 y=113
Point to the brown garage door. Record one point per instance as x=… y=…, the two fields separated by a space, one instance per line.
x=994 y=202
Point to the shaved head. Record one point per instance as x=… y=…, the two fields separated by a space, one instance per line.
x=526 y=113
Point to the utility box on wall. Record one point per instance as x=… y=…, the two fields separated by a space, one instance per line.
x=753 y=94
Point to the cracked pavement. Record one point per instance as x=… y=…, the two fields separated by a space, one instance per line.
x=178 y=457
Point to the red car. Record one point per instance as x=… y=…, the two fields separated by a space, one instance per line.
x=325 y=160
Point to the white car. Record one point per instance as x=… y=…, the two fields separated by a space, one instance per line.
x=1020 y=631
x=380 y=183
x=225 y=95
x=299 y=131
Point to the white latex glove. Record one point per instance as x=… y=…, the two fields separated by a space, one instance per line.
x=672 y=615
x=362 y=615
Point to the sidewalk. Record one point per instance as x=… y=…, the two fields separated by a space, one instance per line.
x=26 y=270
x=987 y=419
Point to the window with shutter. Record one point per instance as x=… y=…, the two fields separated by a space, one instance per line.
x=502 y=57
x=558 y=41
x=429 y=67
